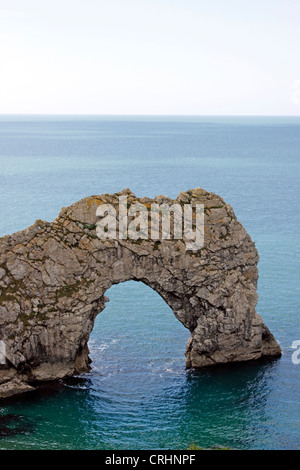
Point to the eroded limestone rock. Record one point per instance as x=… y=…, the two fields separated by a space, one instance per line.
x=53 y=277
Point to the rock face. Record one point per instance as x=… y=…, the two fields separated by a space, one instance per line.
x=53 y=277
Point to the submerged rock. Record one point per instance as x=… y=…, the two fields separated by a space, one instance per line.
x=12 y=425
x=53 y=279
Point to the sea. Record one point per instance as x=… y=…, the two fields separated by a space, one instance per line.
x=139 y=394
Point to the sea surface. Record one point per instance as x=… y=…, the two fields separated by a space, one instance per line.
x=138 y=394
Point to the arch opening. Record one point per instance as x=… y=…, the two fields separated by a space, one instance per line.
x=137 y=329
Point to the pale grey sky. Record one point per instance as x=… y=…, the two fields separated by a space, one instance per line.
x=150 y=57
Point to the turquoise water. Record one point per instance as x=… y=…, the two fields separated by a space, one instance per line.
x=138 y=394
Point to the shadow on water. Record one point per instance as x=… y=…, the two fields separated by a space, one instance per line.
x=223 y=406
x=220 y=406
x=229 y=405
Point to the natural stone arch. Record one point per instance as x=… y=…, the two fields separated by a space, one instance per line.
x=53 y=279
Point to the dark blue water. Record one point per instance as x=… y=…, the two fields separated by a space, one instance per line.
x=139 y=395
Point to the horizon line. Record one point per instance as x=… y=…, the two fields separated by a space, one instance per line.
x=150 y=115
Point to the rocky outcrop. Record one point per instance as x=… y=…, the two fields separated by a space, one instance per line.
x=53 y=277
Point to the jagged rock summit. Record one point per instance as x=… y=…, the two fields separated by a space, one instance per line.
x=53 y=279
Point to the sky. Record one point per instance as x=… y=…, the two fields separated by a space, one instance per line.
x=156 y=57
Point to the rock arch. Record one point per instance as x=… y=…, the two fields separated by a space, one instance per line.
x=53 y=279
